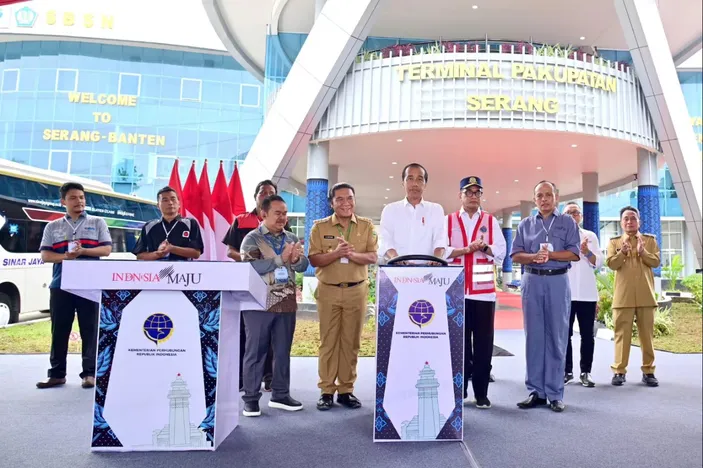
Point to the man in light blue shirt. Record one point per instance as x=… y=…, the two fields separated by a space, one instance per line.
x=546 y=244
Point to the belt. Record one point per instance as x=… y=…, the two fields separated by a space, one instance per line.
x=546 y=272
x=346 y=285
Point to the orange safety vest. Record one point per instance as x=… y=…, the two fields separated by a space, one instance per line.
x=478 y=267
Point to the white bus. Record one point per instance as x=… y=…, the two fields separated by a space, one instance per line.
x=29 y=198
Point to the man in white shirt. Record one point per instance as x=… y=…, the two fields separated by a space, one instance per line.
x=584 y=297
x=475 y=240
x=412 y=226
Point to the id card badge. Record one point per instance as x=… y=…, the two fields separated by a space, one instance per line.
x=547 y=245
x=344 y=260
x=281 y=275
x=73 y=245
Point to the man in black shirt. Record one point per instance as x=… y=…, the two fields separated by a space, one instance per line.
x=171 y=238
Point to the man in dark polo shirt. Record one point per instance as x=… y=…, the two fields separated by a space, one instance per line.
x=74 y=236
x=171 y=238
x=243 y=224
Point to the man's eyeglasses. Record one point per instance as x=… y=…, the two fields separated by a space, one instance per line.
x=470 y=194
x=573 y=212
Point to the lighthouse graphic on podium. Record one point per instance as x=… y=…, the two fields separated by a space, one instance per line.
x=179 y=432
x=428 y=421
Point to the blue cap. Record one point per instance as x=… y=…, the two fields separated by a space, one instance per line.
x=470 y=181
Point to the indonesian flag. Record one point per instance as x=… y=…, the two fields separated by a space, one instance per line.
x=222 y=212
x=236 y=197
x=191 y=199
x=175 y=183
x=209 y=252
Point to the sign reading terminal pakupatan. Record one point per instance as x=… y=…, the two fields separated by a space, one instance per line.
x=95 y=136
x=518 y=71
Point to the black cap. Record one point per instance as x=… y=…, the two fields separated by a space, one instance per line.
x=467 y=182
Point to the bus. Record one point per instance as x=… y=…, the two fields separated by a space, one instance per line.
x=29 y=198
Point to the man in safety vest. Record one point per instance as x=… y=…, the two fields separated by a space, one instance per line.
x=476 y=241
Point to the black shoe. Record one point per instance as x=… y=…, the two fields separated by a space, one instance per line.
x=267 y=386
x=568 y=377
x=348 y=400
x=650 y=380
x=557 y=406
x=483 y=403
x=286 y=403
x=532 y=401
x=491 y=378
x=326 y=402
x=586 y=380
x=251 y=409
x=618 y=380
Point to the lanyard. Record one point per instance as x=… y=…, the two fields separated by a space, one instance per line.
x=75 y=230
x=341 y=233
x=546 y=230
x=270 y=241
x=169 y=231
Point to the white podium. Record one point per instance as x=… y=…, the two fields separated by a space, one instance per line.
x=419 y=354
x=168 y=350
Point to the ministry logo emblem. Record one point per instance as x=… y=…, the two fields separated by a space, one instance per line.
x=158 y=328
x=25 y=17
x=421 y=313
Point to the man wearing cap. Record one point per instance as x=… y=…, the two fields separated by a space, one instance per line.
x=412 y=226
x=546 y=244
x=476 y=241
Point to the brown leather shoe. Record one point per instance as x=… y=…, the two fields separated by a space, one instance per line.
x=51 y=382
x=88 y=382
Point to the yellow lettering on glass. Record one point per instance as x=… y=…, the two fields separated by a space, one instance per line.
x=94 y=136
x=496 y=103
x=121 y=100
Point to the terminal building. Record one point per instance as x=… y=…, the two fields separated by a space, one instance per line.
x=605 y=101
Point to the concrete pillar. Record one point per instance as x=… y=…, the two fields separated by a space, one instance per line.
x=507 y=229
x=526 y=208
x=591 y=212
x=316 y=204
x=648 y=200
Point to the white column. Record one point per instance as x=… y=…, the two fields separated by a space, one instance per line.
x=526 y=208
x=333 y=175
x=508 y=235
x=651 y=55
x=591 y=211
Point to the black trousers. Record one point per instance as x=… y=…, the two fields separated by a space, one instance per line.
x=266 y=330
x=478 y=345
x=586 y=314
x=268 y=363
x=63 y=307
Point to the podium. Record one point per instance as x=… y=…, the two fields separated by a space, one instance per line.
x=419 y=354
x=168 y=350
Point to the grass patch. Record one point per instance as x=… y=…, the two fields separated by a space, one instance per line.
x=36 y=338
x=687 y=336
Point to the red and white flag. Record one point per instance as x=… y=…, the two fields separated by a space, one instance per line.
x=222 y=212
x=175 y=183
x=208 y=218
x=191 y=198
x=234 y=190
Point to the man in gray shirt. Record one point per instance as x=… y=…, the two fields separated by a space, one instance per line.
x=276 y=255
x=74 y=236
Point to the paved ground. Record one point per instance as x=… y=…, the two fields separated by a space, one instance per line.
x=602 y=427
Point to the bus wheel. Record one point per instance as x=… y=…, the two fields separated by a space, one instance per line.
x=6 y=310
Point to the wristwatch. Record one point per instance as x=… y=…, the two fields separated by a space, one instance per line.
x=484 y=249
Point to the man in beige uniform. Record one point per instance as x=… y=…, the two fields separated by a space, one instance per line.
x=633 y=256
x=341 y=248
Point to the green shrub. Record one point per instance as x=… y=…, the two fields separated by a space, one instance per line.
x=673 y=271
x=299 y=281
x=694 y=283
x=372 y=284
x=605 y=283
x=663 y=323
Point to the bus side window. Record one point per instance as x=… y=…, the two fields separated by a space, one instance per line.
x=13 y=236
x=118 y=240
x=131 y=239
x=35 y=231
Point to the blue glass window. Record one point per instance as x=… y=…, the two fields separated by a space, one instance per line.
x=10 y=80
x=249 y=95
x=66 y=80
x=60 y=161
x=129 y=84
x=191 y=89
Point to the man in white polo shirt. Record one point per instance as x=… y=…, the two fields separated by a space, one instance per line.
x=412 y=226
x=584 y=297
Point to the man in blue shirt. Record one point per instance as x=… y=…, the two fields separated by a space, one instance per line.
x=546 y=244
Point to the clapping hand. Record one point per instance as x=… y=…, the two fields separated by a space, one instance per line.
x=626 y=247
x=542 y=256
x=77 y=252
x=640 y=244
x=584 y=247
x=475 y=245
x=287 y=252
x=344 y=248
x=296 y=253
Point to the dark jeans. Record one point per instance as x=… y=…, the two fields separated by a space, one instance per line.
x=478 y=345
x=266 y=330
x=64 y=306
x=586 y=314
x=268 y=364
